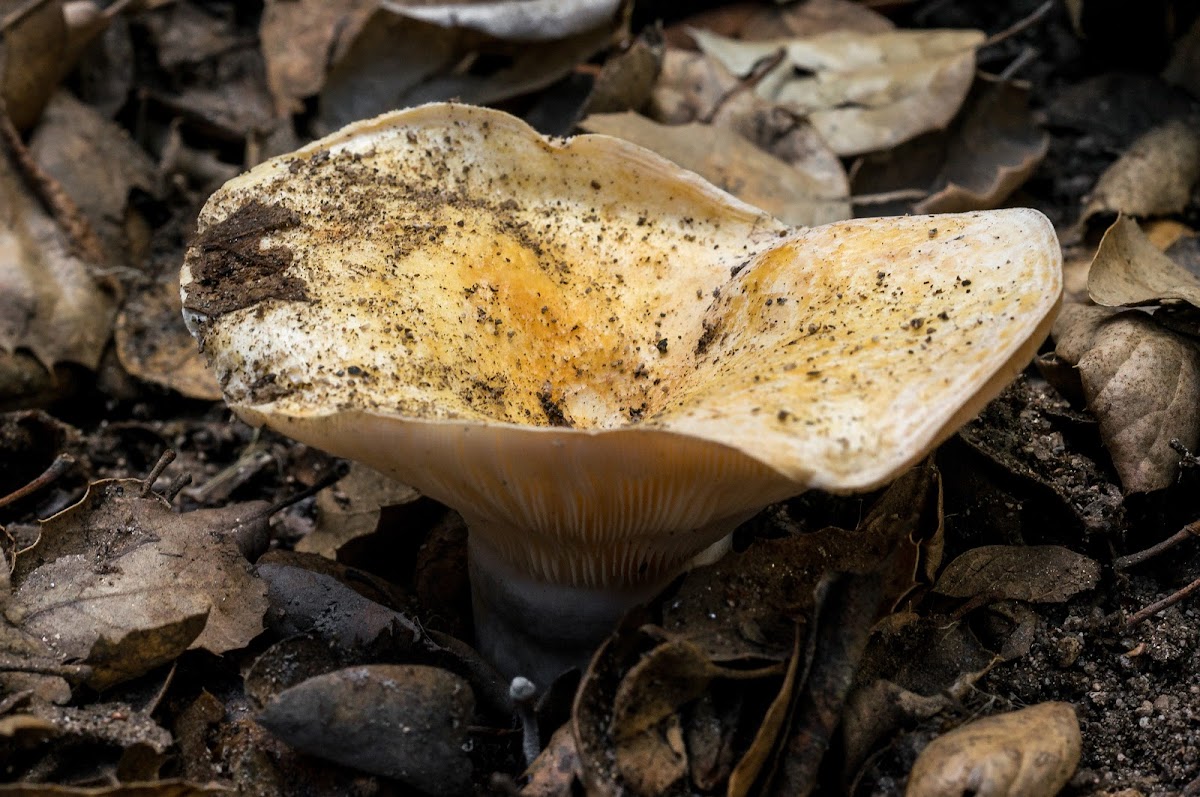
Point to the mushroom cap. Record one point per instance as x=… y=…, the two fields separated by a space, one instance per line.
x=601 y=360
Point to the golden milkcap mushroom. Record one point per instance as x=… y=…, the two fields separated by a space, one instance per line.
x=602 y=361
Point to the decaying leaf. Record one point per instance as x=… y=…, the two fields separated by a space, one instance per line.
x=407 y=722
x=49 y=302
x=1129 y=270
x=298 y=39
x=690 y=85
x=1036 y=573
x=407 y=54
x=351 y=508
x=120 y=562
x=862 y=92
x=993 y=152
x=1154 y=177
x=554 y=772
x=33 y=37
x=98 y=164
x=154 y=345
x=1141 y=383
x=727 y=159
x=1028 y=753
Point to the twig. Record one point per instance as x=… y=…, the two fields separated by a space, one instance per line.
x=335 y=475
x=1187 y=532
x=177 y=484
x=166 y=459
x=57 y=468
x=1165 y=603
x=1021 y=24
x=761 y=69
x=1018 y=63
x=79 y=230
x=903 y=194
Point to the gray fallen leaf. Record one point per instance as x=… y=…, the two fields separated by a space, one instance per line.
x=407 y=722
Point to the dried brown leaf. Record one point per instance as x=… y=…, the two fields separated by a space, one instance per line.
x=1036 y=573
x=669 y=676
x=992 y=153
x=689 y=87
x=730 y=161
x=1154 y=177
x=118 y=562
x=1141 y=383
x=298 y=39
x=1032 y=753
x=351 y=509
x=154 y=345
x=49 y=302
x=33 y=39
x=813 y=18
x=142 y=649
x=554 y=772
x=97 y=163
x=862 y=92
x=1129 y=270
x=407 y=722
x=405 y=55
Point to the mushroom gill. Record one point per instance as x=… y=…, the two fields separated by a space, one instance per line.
x=603 y=362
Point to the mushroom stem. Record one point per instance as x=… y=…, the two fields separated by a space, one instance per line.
x=538 y=629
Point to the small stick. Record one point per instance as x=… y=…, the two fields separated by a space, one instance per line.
x=1126 y=562
x=166 y=459
x=333 y=476
x=760 y=70
x=61 y=206
x=1165 y=603
x=57 y=468
x=177 y=484
x=889 y=196
x=1021 y=24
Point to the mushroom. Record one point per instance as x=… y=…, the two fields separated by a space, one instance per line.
x=604 y=363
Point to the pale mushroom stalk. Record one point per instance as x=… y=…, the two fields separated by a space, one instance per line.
x=602 y=361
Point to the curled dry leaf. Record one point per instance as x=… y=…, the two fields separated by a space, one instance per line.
x=1141 y=383
x=1129 y=270
x=1036 y=573
x=992 y=153
x=119 y=562
x=728 y=160
x=1154 y=177
x=407 y=722
x=1028 y=753
x=49 y=302
x=862 y=92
